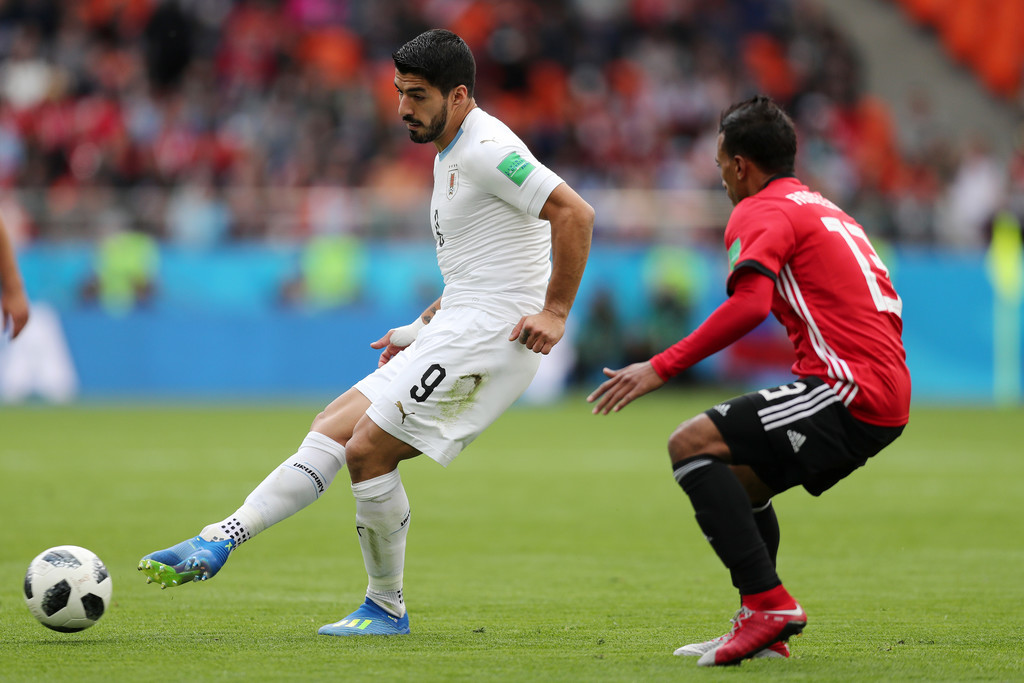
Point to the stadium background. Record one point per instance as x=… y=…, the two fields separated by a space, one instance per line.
x=215 y=198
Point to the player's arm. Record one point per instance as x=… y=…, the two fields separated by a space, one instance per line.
x=13 y=300
x=572 y=225
x=400 y=337
x=748 y=306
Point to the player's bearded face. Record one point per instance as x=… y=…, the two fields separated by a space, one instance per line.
x=428 y=131
x=422 y=107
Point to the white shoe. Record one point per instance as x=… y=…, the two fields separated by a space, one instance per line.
x=697 y=649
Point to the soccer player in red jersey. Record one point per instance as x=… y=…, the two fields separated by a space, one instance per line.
x=797 y=255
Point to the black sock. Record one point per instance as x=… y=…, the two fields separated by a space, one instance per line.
x=723 y=513
x=768 y=526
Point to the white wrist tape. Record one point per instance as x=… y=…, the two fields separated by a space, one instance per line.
x=405 y=335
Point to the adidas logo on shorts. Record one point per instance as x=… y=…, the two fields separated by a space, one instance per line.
x=723 y=408
x=796 y=439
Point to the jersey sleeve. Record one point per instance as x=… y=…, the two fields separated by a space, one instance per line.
x=758 y=237
x=511 y=173
x=744 y=310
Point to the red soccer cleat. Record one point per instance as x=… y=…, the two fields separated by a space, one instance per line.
x=777 y=650
x=774 y=651
x=755 y=631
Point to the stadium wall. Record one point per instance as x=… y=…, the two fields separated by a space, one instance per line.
x=219 y=325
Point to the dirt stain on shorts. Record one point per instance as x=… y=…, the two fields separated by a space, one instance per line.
x=461 y=396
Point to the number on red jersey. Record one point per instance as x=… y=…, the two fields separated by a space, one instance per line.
x=870 y=265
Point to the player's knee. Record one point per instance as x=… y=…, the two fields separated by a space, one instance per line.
x=366 y=462
x=334 y=425
x=696 y=436
x=358 y=459
x=681 y=444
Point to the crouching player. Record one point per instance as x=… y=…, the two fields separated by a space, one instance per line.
x=797 y=255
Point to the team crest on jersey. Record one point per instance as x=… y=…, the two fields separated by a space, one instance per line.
x=453 y=181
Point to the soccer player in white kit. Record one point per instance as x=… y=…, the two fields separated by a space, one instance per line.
x=512 y=241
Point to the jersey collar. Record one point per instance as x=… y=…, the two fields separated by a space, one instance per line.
x=775 y=177
x=443 y=153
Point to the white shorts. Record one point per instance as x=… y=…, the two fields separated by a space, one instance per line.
x=450 y=384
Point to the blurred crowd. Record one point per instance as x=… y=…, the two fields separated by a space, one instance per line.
x=202 y=122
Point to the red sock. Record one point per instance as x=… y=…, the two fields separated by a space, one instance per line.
x=775 y=598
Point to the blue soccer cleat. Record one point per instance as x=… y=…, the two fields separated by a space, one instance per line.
x=369 y=620
x=193 y=560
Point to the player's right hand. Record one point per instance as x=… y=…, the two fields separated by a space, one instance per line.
x=396 y=340
x=390 y=350
x=624 y=386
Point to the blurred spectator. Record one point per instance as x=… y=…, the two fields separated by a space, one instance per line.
x=674 y=277
x=924 y=132
x=330 y=274
x=599 y=341
x=197 y=214
x=669 y=321
x=126 y=271
x=26 y=77
x=1015 y=193
x=168 y=44
x=976 y=193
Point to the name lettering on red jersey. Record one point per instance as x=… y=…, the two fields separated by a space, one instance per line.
x=806 y=197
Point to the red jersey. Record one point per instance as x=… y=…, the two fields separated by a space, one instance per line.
x=832 y=293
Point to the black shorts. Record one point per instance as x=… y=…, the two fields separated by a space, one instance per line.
x=798 y=434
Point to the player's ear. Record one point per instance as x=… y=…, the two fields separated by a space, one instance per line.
x=459 y=95
x=742 y=167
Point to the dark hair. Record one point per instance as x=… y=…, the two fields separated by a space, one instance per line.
x=439 y=56
x=759 y=130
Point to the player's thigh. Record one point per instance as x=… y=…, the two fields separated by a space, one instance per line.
x=339 y=418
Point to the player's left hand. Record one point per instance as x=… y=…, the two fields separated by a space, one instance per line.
x=539 y=332
x=624 y=387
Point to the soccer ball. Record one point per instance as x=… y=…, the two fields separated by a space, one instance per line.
x=67 y=588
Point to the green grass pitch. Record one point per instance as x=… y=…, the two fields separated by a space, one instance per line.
x=556 y=548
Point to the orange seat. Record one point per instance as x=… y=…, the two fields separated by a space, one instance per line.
x=926 y=12
x=1000 y=62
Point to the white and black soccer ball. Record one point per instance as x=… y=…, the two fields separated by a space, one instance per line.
x=67 y=588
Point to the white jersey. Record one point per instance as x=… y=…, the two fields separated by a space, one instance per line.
x=493 y=250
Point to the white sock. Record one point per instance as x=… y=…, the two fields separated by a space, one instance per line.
x=382 y=522
x=296 y=483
